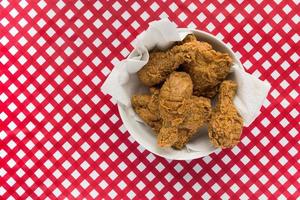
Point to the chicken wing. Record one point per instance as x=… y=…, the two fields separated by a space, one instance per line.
x=226 y=124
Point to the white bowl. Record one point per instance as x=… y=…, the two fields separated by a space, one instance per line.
x=144 y=135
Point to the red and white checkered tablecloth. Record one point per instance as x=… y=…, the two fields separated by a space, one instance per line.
x=62 y=138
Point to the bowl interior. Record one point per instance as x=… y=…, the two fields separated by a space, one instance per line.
x=144 y=135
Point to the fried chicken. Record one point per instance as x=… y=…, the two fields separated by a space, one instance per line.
x=207 y=67
x=173 y=106
x=207 y=71
x=182 y=113
x=225 y=126
x=162 y=63
x=179 y=109
x=173 y=113
x=198 y=115
x=146 y=106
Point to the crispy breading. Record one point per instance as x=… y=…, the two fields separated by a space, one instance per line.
x=225 y=126
x=162 y=63
x=207 y=71
x=146 y=106
x=182 y=113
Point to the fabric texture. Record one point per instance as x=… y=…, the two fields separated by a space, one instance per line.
x=61 y=137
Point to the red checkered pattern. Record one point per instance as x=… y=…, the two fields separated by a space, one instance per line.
x=62 y=138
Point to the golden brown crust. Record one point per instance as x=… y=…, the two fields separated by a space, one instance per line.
x=172 y=112
x=158 y=68
x=181 y=112
x=198 y=113
x=225 y=126
x=162 y=63
x=167 y=136
x=173 y=98
x=146 y=106
x=198 y=116
x=206 y=67
x=207 y=71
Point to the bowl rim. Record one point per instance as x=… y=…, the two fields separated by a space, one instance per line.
x=195 y=154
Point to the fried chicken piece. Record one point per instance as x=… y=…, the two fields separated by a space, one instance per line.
x=225 y=126
x=198 y=115
x=162 y=63
x=158 y=68
x=146 y=106
x=207 y=71
x=173 y=106
x=182 y=113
